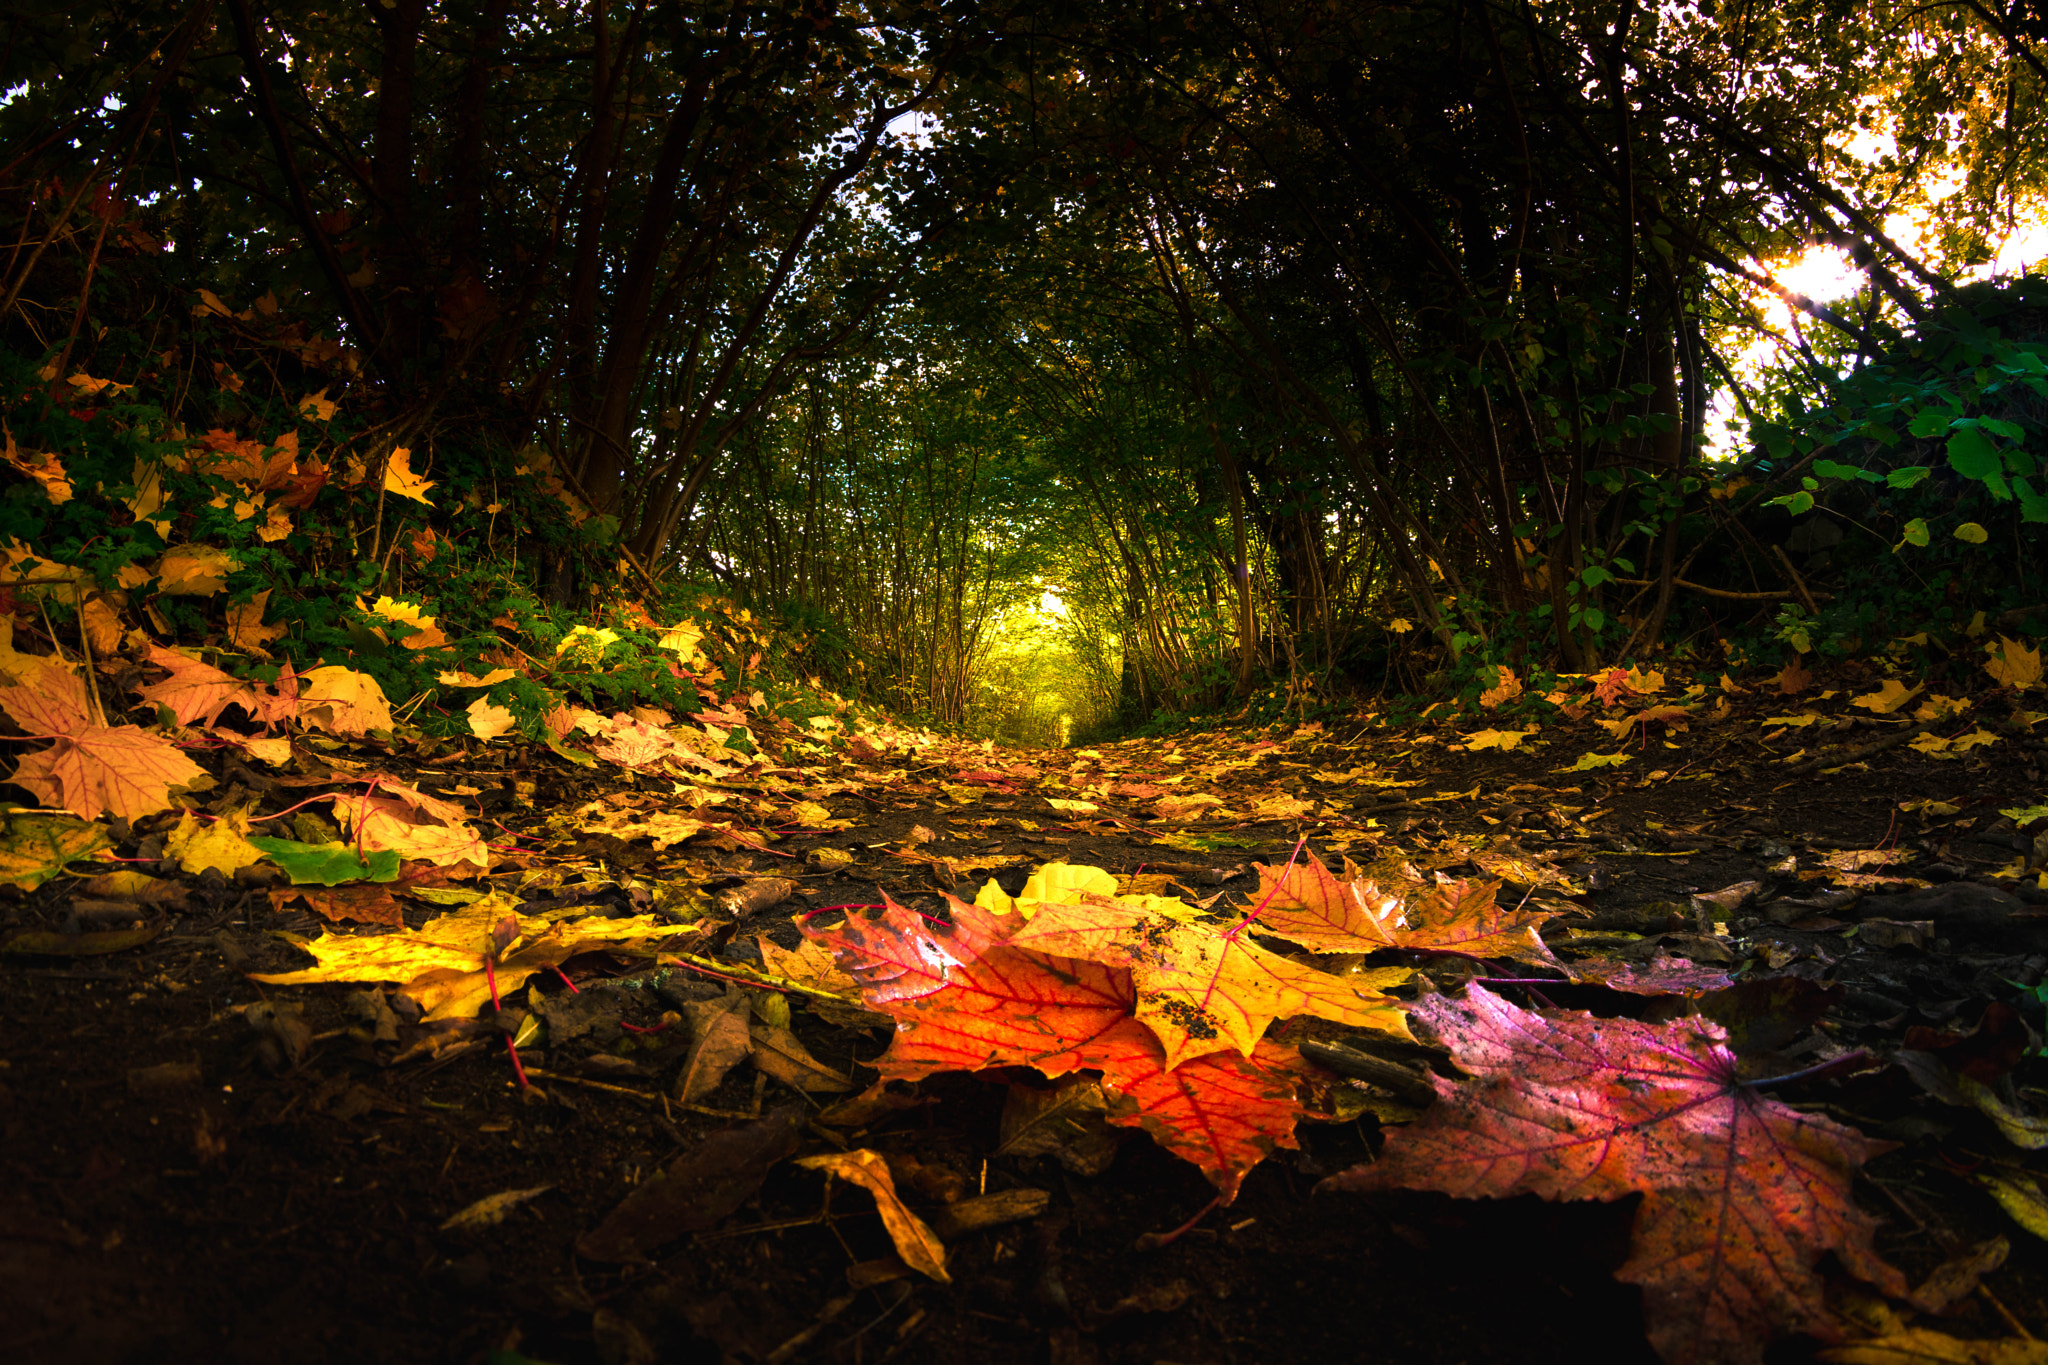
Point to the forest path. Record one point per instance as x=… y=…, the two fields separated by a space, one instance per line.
x=195 y=1175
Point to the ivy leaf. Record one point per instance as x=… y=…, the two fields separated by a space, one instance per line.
x=1742 y=1195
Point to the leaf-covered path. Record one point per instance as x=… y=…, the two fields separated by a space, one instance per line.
x=208 y=1165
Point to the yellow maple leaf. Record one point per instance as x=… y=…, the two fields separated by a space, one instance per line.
x=2012 y=664
x=218 y=844
x=89 y=387
x=343 y=701
x=399 y=478
x=1645 y=683
x=1282 y=807
x=487 y=721
x=681 y=640
x=1888 y=698
x=194 y=570
x=1502 y=739
x=317 y=406
x=43 y=467
x=245 y=625
x=461 y=679
x=442 y=962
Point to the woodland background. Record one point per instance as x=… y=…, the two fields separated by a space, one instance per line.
x=1034 y=369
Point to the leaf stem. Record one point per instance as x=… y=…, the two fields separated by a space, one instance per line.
x=1278 y=882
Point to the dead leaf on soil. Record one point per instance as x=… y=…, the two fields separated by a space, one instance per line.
x=916 y=1243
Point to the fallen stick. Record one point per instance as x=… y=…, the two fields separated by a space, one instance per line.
x=1814 y=765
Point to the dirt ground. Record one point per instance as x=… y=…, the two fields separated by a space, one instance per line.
x=184 y=1185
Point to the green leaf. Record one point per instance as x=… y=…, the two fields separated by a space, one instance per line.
x=1916 y=533
x=1595 y=618
x=1795 y=503
x=1932 y=422
x=1998 y=426
x=1594 y=576
x=1909 y=476
x=1972 y=455
x=1830 y=469
x=1973 y=533
x=326 y=864
x=2033 y=507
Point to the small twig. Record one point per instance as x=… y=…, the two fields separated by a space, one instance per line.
x=607 y=1086
x=1892 y=741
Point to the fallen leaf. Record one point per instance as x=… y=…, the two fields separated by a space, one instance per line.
x=916 y=1243
x=35 y=847
x=778 y=1052
x=2012 y=664
x=698 y=1190
x=1888 y=698
x=220 y=843
x=90 y=769
x=1925 y=1346
x=1200 y=990
x=719 y=1041
x=488 y=720
x=491 y=1210
x=194 y=570
x=1588 y=762
x=1742 y=1196
x=196 y=693
x=441 y=963
x=328 y=864
x=965 y=1001
x=246 y=630
x=343 y=701
x=1506 y=688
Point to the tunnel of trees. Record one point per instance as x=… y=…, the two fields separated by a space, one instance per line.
x=1055 y=365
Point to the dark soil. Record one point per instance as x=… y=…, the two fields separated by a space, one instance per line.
x=179 y=1187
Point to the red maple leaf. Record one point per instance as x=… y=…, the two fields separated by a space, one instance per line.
x=1613 y=686
x=966 y=999
x=1742 y=1195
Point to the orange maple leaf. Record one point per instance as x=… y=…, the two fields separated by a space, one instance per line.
x=196 y=693
x=1306 y=904
x=121 y=770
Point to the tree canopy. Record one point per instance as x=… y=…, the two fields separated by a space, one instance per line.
x=1203 y=344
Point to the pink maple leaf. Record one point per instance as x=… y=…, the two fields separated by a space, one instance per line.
x=1742 y=1195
